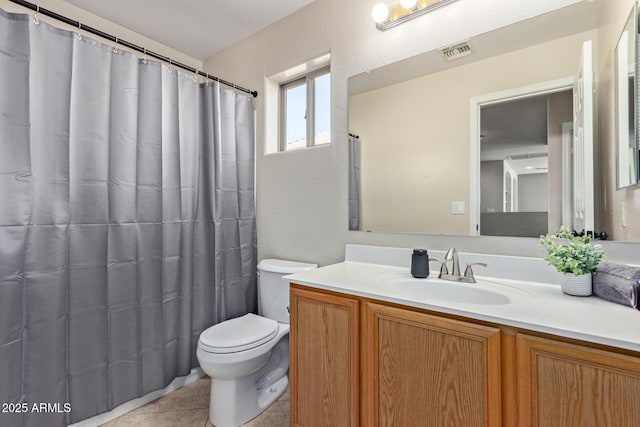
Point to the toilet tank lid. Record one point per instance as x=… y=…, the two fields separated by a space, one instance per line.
x=284 y=267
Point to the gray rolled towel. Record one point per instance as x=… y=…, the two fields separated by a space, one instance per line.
x=617 y=283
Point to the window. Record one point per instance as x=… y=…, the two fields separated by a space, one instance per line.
x=305 y=111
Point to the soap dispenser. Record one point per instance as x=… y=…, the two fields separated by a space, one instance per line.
x=420 y=264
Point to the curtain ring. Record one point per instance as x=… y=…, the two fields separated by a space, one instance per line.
x=170 y=65
x=36 y=20
x=78 y=34
x=144 y=56
x=115 y=48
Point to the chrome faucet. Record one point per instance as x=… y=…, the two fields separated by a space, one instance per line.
x=452 y=255
x=455 y=276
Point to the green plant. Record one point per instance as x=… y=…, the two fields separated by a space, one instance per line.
x=571 y=254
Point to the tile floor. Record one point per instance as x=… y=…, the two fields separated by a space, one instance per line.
x=189 y=407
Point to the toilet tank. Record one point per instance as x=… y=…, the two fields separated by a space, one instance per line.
x=273 y=290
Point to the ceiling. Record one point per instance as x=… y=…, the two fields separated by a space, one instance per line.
x=198 y=28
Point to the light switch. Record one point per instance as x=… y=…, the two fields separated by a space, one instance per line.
x=458 y=208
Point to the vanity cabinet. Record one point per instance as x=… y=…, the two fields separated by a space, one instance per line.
x=324 y=359
x=425 y=370
x=569 y=385
x=362 y=362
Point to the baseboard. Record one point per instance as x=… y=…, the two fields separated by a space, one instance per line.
x=129 y=406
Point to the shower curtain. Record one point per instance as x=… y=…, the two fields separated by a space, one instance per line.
x=354 y=183
x=127 y=222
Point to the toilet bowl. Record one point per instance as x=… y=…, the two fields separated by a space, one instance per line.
x=247 y=357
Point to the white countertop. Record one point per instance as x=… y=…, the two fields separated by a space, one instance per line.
x=534 y=306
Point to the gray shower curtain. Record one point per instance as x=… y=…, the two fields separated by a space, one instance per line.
x=354 y=183
x=127 y=221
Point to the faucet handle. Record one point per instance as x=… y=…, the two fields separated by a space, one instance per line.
x=443 y=266
x=468 y=272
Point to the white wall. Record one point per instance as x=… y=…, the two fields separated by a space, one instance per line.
x=559 y=111
x=302 y=195
x=533 y=193
x=491 y=173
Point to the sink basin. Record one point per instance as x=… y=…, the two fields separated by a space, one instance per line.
x=487 y=291
x=466 y=293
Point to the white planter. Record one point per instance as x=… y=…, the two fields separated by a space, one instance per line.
x=579 y=286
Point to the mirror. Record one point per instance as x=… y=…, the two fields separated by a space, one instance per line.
x=416 y=119
x=626 y=114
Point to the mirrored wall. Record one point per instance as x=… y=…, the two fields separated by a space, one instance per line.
x=422 y=170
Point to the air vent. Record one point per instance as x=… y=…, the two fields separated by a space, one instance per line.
x=528 y=156
x=456 y=51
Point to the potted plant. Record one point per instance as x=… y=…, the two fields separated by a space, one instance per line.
x=575 y=257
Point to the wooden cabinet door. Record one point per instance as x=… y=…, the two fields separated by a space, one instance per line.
x=324 y=368
x=568 y=385
x=425 y=370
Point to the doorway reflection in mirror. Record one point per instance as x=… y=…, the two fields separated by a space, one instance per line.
x=521 y=162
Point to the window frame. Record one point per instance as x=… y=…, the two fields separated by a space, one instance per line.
x=310 y=113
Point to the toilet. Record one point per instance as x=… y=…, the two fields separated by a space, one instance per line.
x=247 y=357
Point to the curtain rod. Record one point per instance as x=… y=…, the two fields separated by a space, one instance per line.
x=127 y=44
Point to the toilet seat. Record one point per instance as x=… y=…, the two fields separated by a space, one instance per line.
x=239 y=334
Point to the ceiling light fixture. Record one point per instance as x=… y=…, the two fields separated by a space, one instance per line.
x=380 y=13
x=408 y=4
x=387 y=17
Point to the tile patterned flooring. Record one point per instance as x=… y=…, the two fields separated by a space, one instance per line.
x=189 y=407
